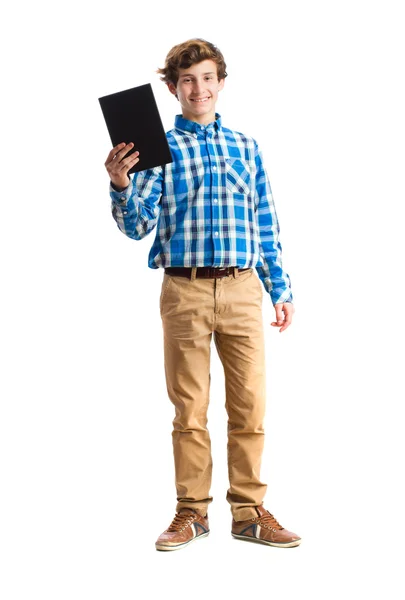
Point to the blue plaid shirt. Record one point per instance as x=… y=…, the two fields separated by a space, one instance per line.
x=212 y=206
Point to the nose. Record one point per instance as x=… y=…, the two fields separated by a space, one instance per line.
x=197 y=87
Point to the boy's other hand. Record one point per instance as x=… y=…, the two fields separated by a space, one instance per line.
x=117 y=166
x=283 y=321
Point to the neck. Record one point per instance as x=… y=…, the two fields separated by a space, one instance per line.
x=202 y=120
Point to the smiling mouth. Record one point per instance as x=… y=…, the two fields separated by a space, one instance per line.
x=200 y=100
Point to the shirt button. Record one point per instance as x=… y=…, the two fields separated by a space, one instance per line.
x=202 y=127
x=122 y=199
x=125 y=212
x=214 y=167
x=216 y=233
x=215 y=200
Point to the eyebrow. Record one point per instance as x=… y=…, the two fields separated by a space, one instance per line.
x=191 y=75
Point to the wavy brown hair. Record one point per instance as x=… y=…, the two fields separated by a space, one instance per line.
x=189 y=53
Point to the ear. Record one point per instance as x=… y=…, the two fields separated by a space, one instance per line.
x=221 y=84
x=172 y=88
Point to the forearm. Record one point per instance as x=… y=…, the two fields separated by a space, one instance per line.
x=136 y=208
x=115 y=189
x=275 y=280
x=272 y=274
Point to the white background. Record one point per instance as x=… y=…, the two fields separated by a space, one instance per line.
x=87 y=470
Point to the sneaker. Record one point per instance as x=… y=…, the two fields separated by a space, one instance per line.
x=264 y=529
x=186 y=527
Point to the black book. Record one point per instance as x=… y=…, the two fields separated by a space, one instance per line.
x=132 y=116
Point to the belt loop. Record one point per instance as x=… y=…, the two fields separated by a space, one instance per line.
x=193 y=273
x=235 y=272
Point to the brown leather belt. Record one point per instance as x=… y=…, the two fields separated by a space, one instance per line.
x=206 y=272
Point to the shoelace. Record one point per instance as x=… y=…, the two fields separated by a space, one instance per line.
x=268 y=522
x=181 y=520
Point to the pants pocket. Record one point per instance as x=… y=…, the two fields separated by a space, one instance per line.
x=259 y=284
x=167 y=279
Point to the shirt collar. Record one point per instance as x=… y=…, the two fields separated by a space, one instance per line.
x=192 y=127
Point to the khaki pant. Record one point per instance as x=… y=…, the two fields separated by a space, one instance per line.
x=192 y=309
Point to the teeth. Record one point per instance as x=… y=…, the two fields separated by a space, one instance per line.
x=202 y=100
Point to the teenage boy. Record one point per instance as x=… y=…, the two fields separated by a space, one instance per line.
x=216 y=225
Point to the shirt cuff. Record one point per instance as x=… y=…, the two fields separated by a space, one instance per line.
x=121 y=198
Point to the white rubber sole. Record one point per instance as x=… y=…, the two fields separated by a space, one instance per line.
x=248 y=538
x=179 y=546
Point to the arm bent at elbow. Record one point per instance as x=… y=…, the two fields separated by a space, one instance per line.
x=136 y=209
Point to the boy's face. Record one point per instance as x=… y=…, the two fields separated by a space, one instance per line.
x=197 y=91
